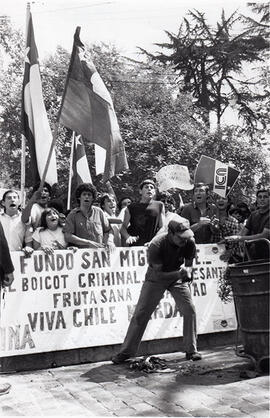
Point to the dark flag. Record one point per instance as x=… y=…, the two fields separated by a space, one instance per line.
x=35 y=125
x=87 y=109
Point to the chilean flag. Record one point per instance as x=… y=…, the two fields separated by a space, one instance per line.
x=35 y=125
x=216 y=174
x=88 y=110
x=80 y=168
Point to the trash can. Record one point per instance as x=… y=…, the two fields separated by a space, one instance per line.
x=250 y=285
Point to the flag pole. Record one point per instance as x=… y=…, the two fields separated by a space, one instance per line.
x=22 y=136
x=22 y=170
x=70 y=171
x=54 y=136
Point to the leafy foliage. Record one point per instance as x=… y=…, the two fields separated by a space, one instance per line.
x=159 y=124
x=208 y=62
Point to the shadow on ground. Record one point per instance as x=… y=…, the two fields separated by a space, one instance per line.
x=186 y=372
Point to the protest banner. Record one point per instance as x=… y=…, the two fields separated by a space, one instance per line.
x=70 y=300
x=173 y=177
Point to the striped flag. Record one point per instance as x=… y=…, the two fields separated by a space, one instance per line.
x=87 y=109
x=80 y=168
x=35 y=124
x=216 y=174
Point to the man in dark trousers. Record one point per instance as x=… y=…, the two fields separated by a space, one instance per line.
x=170 y=258
x=6 y=279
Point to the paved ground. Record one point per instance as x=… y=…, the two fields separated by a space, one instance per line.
x=212 y=387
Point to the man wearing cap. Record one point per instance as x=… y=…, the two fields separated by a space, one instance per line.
x=142 y=220
x=170 y=258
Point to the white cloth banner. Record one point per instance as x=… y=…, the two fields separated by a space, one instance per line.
x=86 y=299
x=174 y=176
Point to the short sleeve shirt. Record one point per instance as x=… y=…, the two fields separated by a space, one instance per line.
x=46 y=237
x=91 y=227
x=162 y=251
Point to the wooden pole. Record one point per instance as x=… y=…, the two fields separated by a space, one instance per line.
x=23 y=158
x=70 y=171
x=22 y=171
x=54 y=136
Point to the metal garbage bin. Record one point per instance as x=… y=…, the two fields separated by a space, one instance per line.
x=250 y=285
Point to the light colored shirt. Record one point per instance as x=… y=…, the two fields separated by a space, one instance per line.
x=47 y=237
x=16 y=232
x=90 y=227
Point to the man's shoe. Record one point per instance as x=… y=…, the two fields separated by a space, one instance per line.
x=193 y=356
x=119 y=358
x=4 y=388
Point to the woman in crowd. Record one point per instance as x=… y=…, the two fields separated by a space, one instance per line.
x=49 y=236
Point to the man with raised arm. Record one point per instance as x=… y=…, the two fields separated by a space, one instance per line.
x=36 y=205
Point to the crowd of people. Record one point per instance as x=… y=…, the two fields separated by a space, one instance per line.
x=170 y=234
x=104 y=222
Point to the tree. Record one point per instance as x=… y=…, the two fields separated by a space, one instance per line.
x=12 y=56
x=158 y=126
x=209 y=62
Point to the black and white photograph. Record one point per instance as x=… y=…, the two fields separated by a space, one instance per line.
x=134 y=208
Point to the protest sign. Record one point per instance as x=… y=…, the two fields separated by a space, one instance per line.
x=72 y=300
x=219 y=175
x=173 y=177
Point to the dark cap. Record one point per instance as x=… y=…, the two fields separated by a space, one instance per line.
x=180 y=224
